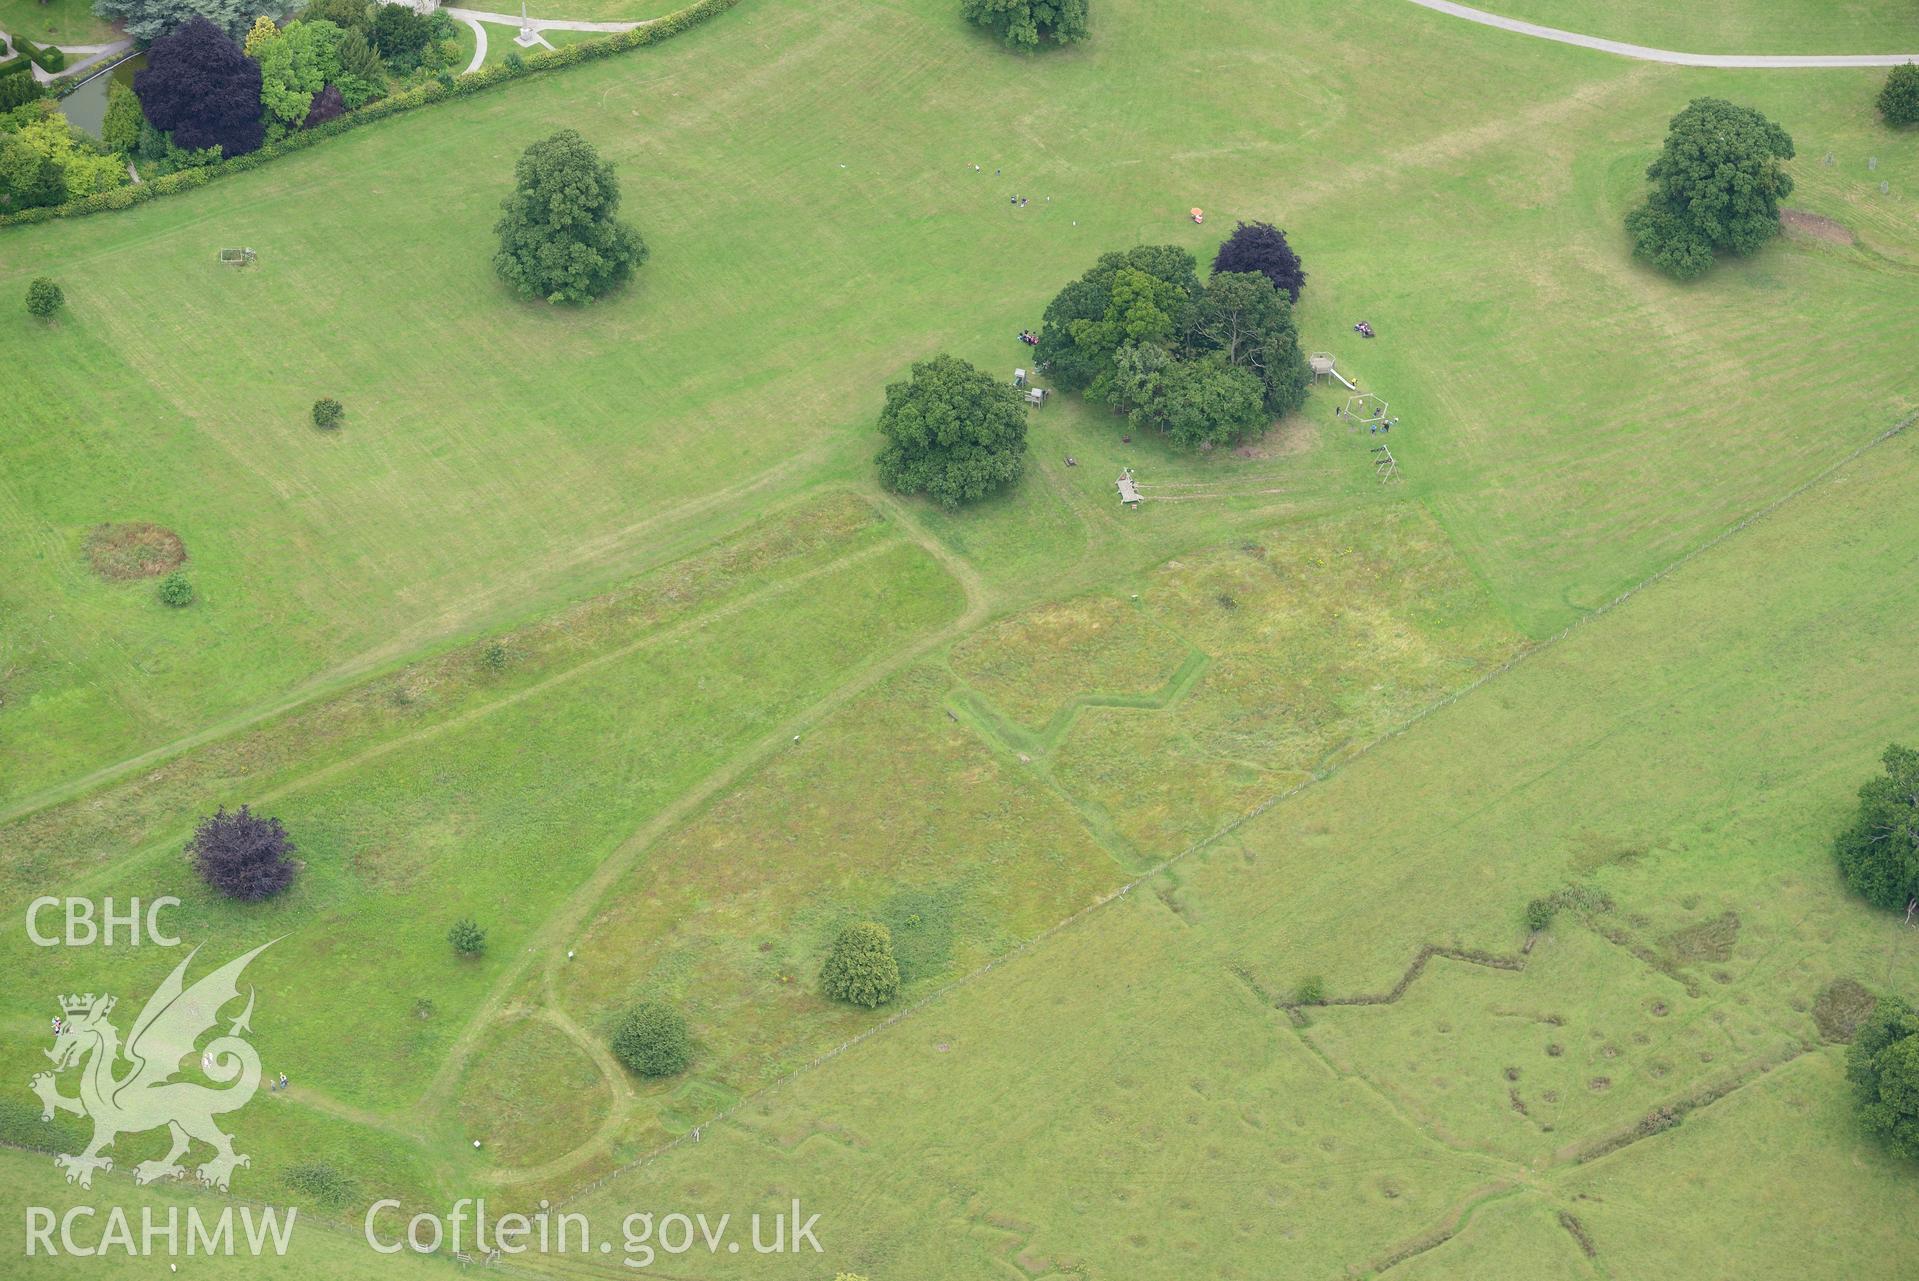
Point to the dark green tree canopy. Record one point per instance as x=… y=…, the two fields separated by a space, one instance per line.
x=651 y=1040
x=1025 y=24
x=1081 y=329
x=1246 y=320
x=341 y=13
x=1204 y=365
x=399 y=32
x=1262 y=247
x=1899 y=100
x=1879 y=850
x=861 y=968
x=1883 y=1066
x=1716 y=186
x=952 y=433
x=559 y=239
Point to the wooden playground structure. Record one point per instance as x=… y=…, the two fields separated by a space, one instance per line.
x=1035 y=396
x=1324 y=366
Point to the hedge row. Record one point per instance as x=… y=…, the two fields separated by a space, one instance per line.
x=407 y=100
x=15 y=65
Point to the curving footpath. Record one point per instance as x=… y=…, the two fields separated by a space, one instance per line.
x=1645 y=54
x=478 y=18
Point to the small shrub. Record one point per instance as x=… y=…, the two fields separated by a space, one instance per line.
x=424 y=1008
x=44 y=298
x=1539 y=914
x=467 y=938
x=1311 y=991
x=514 y=62
x=862 y=969
x=494 y=657
x=242 y=855
x=176 y=592
x=324 y=1184
x=327 y=413
x=651 y=1040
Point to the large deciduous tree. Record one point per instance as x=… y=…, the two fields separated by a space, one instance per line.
x=1083 y=328
x=1262 y=247
x=1716 y=186
x=1879 y=850
x=1202 y=403
x=200 y=88
x=559 y=239
x=1026 y=24
x=952 y=432
x=1883 y=1066
x=1250 y=324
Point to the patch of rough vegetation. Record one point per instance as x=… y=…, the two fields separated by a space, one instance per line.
x=137 y=549
x=1707 y=941
x=1843 y=1006
x=1577 y=1230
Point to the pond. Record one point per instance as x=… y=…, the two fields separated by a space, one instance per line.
x=86 y=107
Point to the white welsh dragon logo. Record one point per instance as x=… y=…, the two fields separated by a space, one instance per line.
x=146 y=1097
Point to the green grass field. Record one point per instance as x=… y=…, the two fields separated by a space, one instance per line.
x=61 y=22
x=594 y=625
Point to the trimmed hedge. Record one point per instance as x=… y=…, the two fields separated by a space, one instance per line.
x=15 y=65
x=433 y=91
x=46 y=57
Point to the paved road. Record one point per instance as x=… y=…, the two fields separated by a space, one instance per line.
x=1644 y=54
